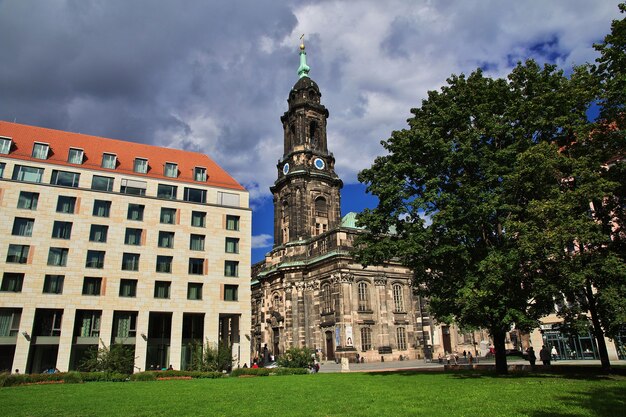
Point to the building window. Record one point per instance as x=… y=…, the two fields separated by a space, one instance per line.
x=124 y=324
x=166 y=239
x=95 y=259
x=198 y=219
x=92 y=286
x=53 y=284
x=28 y=200
x=231 y=268
x=109 y=160
x=196 y=266
x=101 y=208
x=87 y=323
x=18 y=254
x=232 y=222
x=135 y=212
x=326 y=299
x=61 y=230
x=230 y=292
x=364 y=297
x=162 y=289
x=164 y=264
x=5 y=146
x=401 y=338
x=195 y=195
x=27 y=174
x=227 y=199
x=48 y=322
x=170 y=170
x=23 y=226
x=102 y=183
x=167 y=192
x=2 y=165
x=194 y=291
x=133 y=236
x=66 y=204
x=168 y=215
x=65 y=178
x=12 y=282
x=140 y=166
x=366 y=338
x=40 y=151
x=128 y=288
x=133 y=187
x=75 y=156
x=10 y=321
x=196 y=242
x=98 y=233
x=58 y=256
x=232 y=245
x=130 y=262
x=398 y=298
x=199 y=174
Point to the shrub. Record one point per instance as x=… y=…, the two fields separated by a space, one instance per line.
x=72 y=378
x=103 y=376
x=290 y=371
x=143 y=376
x=116 y=358
x=252 y=371
x=3 y=378
x=211 y=357
x=296 y=358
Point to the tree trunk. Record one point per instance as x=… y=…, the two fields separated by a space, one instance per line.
x=499 y=337
x=598 y=332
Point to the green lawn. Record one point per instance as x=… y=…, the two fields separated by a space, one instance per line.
x=355 y=394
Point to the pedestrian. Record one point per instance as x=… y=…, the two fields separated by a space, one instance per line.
x=440 y=358
x=470 y=358
x=531 y=356
x=465 y=355
x=554 y=353
x=544 y=355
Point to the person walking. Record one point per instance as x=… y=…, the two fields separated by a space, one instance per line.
x=544 y=355
x=554 y=353
x=531 y=356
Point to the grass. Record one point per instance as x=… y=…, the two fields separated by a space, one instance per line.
x=355 y=394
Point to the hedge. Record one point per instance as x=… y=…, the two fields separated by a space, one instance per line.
x=154 y=375
x=269 y=371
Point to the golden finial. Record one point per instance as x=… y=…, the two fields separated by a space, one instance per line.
x=302 y=42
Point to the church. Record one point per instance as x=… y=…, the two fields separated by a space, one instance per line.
x=310 y=291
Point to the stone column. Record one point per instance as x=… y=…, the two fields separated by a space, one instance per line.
x=176 y=339
x=24 y=343
x=141 y=340
x=65 y=340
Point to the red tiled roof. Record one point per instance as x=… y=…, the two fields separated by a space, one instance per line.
x=24 y=136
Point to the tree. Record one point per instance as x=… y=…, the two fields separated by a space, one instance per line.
x=212 y=357
x=116 y=358
x=296 y=358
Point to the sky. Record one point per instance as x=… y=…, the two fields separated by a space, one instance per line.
x=213 y=76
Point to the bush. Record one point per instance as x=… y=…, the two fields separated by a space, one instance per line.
x=3 y=378
x=144 y=376
x=296 y=358
x=117 y=358
x=252 y=371
x=290 y=371
x=103 y=376
x=21 y=379
x=192 y=374
x=72 y=378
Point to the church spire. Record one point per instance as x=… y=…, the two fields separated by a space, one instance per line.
x=303 y=70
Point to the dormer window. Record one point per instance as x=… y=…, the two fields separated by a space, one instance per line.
x=141 y=165
x=40 y=150
x=171 y=170
x=199 y=174
x=5 y=146
x=109 y=160
x=75 y=156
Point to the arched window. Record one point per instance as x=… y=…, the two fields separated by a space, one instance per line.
x=313 y=134
x=398 y=299
x=401 y=338
x=364 y=297
x=276 y=301
x=366 y=338
x=321 y=209
x=327 y=305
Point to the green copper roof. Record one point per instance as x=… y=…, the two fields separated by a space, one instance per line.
x=303 y=70
x=349 y=221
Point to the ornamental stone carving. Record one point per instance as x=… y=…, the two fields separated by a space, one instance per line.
x=380 y=281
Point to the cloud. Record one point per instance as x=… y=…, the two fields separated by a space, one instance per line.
x=262 y=241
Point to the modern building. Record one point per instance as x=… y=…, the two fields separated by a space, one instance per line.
x=109 y=241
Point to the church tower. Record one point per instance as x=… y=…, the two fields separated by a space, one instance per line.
x=307 y=191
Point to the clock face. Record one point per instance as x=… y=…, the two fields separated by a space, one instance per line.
x=285 y=169
x=319 y=163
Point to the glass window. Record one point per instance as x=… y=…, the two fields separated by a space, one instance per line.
x=366 y=338
x=364 y=297
x=10 y=321
x=196 y=266
x=133 y=236
x=327 y=305
x=198 y=219
x=98 y=233
x=61 y=230
x=171 y=170
x=27 y=174
x=167 y=191
x=28 y=200
x=135 y=212
x=75 y=156
x=58 y=256
x=133 y=187
x=109 y=160
x=232 y=222
x=231 y=268
x=65 y=178
x=195 y=195
x=66 y=204
x=92 y=286
x=162 y=289
x=130 y=262
x=194 y=291
x=95 y=259
x=227 y=199
x=87 y=323
x=398 y=298
x=401 y=338
x=40 y=150
x=196 y=242
x=232 y=245
x=23 y=226
x=2 y=165
x=53 y=284
x=101 y=208
x=164 y=264
x=166 y=239
x=141 y=165
x=168 y=215
x=199 y=174
x=102 y=183
x=12 y=282
x=128 y=288
x=5 y=146
x=18 y=254
x=230 y=292
x=125 y=324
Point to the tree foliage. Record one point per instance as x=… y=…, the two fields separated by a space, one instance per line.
x=117 y=358
x=212 y=357
x=296 y=358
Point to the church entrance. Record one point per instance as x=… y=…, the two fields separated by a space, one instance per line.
x=330 y=351
x=445 y=335
x=276 y=342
